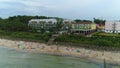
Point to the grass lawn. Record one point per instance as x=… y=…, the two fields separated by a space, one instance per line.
x=108 y=34
x=25 y=35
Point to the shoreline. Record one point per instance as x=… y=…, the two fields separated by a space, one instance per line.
x=72 y=51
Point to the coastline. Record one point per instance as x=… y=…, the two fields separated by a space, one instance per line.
x=89 y=54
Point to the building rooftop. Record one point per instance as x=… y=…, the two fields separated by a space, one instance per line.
x=43 y=20
x=84 y=22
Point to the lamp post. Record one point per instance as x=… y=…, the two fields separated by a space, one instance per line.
x=104 y=63
x=57 y=46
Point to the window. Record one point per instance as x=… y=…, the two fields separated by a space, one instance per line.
x=77 y=31
x=34 y=22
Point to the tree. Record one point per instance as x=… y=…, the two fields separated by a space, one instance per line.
x=1 y=19
x=99 y=21
x=86 y=21
x=78 y=20
x=42 y=30
x=59 y=24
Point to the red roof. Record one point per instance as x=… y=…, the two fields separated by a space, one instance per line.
x=84 y=22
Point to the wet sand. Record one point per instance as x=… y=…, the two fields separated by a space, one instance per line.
x=35 y=47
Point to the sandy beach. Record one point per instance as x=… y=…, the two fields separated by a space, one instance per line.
x=35 y=47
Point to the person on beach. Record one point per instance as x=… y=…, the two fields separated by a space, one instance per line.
x=21 y=46
x=67 y=49
x=38 y=46
x=78 y=51
x=58 y=48
x=71 y=49
x=43 y=47
x=103 y=53
x=51 y=47
x=18 y=46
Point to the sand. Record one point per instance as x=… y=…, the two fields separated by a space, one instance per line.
x=35 y=47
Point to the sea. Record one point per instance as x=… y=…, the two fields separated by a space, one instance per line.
x=11 y=58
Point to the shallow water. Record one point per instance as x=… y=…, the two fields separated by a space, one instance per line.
x=10 y=58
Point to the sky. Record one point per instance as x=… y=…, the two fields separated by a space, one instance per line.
x=69 y=9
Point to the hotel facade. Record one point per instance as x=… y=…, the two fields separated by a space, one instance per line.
x=68 y=26
x=112 y=27
x=83 y=28
x=46 y=24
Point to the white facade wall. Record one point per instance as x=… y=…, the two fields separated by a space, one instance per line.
x=54 y=21
x=39 y=25
x=108 y=26
x=66 y=24
x=112 y=27
x=118 y=26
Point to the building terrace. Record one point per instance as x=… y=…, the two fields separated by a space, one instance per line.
x=83 y=28
x=39 y=24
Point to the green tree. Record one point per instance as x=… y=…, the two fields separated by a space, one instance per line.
x=59 y=24
x=78 y=20
x=99 y=21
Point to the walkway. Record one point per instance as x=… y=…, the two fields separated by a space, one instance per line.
x=53 y=37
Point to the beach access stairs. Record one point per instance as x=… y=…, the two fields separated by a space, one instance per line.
x=51 y=40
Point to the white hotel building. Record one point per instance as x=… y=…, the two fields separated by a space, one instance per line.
x=46 y=24
x=112 y=27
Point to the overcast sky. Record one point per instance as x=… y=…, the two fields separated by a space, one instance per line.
x=70 y=9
